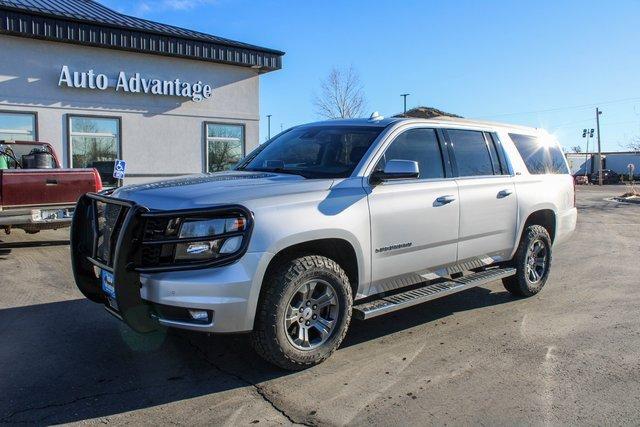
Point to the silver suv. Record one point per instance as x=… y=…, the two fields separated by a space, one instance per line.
x=325 y=222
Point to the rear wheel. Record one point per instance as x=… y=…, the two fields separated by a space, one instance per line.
x=532 y=262
x=303 y=313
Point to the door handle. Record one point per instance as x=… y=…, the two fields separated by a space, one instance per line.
x=504 y=193
x=444 y=200
x=52 y=182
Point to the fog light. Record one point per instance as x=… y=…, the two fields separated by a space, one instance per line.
x=231 y=245
x=199 y=315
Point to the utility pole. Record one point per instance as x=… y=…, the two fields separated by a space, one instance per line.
x=404 y=95
x=598 y=112
x=268 y=126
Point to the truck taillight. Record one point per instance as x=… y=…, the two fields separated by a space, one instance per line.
x=97 y=181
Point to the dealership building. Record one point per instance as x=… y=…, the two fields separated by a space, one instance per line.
x=99 y=86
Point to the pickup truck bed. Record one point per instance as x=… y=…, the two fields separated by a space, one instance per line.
x=39 y=199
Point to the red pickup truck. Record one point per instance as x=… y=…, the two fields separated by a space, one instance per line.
x=35 y=193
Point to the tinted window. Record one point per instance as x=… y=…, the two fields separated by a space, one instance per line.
x=472 y=154
x=539 y=157
x=495 y=160
x=314 y=152
x=418 y=145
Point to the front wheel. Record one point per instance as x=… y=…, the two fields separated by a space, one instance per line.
x=303 y=313
x=532 y=262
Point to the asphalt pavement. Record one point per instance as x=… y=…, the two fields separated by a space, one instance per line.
x=570 y=355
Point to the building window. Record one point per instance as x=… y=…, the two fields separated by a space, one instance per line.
x=95 y=143
x=17 y=126
x=225 y=146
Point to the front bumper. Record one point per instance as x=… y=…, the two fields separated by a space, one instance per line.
x=230 y=293
x=148 y=298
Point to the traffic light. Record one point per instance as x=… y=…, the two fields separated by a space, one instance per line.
x=591 y=133
x=584 y=133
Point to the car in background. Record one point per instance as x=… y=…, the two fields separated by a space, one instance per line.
x=608 y=177
x=581 y=179
x=35 y=192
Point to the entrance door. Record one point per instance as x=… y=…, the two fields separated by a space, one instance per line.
x=414 y=222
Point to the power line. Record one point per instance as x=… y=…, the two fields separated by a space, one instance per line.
x=573 y=107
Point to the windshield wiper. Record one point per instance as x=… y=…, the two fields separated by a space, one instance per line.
x=277 y=170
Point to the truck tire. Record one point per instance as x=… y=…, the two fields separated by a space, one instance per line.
x=303 y=313
x=532 y=262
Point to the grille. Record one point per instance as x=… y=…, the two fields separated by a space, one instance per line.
x=109 y=219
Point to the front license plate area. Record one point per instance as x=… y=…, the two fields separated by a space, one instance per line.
x=108 y=287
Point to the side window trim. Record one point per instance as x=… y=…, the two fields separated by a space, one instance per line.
x=493 y=153
x=502 y=156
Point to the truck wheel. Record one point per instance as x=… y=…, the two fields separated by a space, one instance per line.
x=532 y=262
x=303 y=313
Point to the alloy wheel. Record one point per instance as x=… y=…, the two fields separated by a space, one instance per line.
x=536 y=261
x=312 y=314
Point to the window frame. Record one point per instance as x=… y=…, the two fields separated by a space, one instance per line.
x=205 y=135
x=69 y=156
x=442 y=147
x=35 y=121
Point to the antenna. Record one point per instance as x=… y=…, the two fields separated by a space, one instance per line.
x=375 y=116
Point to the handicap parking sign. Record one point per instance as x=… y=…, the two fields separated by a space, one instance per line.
x=119 y=169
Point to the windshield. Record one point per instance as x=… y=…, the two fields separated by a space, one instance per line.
x=314 y=151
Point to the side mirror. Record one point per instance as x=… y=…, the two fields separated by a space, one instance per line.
x=396 y=169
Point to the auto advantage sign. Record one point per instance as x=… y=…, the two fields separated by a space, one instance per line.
x=134 y=83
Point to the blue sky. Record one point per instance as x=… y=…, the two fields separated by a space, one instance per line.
x=544 y=63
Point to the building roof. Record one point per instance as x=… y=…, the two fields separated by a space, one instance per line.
x=88 y=22
x=425 y=113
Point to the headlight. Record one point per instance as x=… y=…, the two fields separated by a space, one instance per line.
x=195 y=238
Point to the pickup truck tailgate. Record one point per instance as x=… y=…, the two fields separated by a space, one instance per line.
x=41 y=187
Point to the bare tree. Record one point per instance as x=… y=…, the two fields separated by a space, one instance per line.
x=576 y=149
x=341 y=95
x=634 y=144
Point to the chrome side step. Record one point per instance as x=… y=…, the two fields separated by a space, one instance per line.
x=428 y=292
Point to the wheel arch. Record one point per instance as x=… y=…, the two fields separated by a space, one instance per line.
x=339 y=249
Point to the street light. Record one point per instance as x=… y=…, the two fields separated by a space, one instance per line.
x=587 y=133
x=404 y=95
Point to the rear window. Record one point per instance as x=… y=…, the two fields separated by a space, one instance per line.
x=539 y=156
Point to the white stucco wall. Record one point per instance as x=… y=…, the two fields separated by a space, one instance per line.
x=160 y=134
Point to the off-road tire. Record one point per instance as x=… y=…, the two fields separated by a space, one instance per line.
x=269 y=337
x=519 y=284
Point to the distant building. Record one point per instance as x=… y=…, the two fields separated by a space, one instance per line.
x=99 y=86
x=617 y=161
x=425 y=113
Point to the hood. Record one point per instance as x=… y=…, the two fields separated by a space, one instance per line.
x=203 y=190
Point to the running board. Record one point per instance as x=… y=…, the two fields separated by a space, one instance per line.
x=428 y=292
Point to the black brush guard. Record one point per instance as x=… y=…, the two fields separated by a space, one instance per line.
x=85 y=235
x=119 y=251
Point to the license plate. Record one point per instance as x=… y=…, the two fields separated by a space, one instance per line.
x=107 y=284
x=51 y=214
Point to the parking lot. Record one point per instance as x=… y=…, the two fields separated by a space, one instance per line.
x=566 y=356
